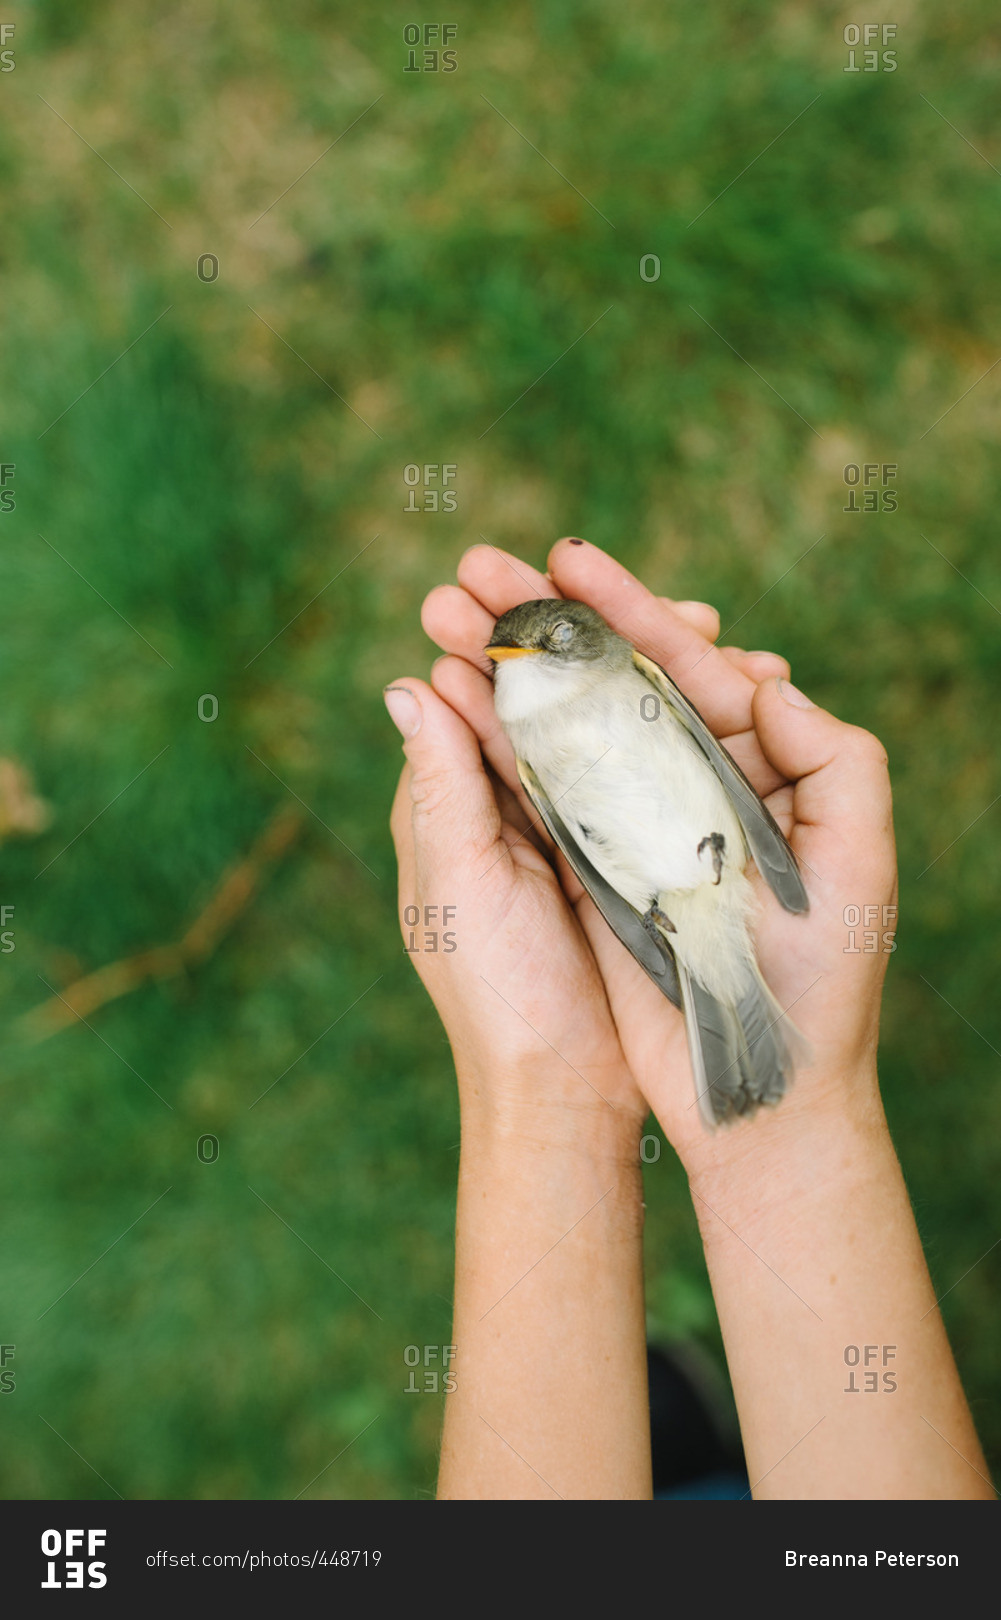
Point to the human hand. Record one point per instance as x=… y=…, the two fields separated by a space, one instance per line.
x=824 y=781
x=520 y=994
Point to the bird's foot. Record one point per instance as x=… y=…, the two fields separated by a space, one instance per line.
x=657 y=922
x=717 y=843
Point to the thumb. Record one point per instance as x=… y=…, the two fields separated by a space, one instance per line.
x=839 y=771
x=453 y=813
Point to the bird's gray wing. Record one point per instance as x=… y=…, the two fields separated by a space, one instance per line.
x=654 y=955
x=773 y=857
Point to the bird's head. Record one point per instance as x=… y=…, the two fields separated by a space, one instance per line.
x=552 y=632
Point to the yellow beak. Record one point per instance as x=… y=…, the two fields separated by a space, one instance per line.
x=499 y=653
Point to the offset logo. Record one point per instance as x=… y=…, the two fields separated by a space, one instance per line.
x=872 y=36
x=64 y=1568
x=435 y=1379
x=432 y=500
x=874 y=1382
x=432 y=934
x=432 y=59
x=878 y=499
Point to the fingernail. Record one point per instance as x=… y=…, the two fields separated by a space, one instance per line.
x=404 y=710
x=793 y=695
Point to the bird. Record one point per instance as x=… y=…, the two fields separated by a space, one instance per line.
x=659 y=824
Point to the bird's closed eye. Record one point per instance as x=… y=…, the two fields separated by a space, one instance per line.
x=560 y=634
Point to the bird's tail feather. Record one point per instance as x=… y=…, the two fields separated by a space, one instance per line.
x=742 y=1055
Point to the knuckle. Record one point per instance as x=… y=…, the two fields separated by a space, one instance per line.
x=399 y=822
x=399 y=811
x=868 y=747
x=430 y=792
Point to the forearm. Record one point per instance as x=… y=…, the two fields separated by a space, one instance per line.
x=550 y=1395
x=843 y=1377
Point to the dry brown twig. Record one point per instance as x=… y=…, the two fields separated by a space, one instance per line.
x=230 y=897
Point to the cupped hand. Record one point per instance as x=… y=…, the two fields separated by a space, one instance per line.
x=495 y=940
x=550 y=952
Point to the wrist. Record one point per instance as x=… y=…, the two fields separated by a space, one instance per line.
x=820 y=1138
x=514 y=1108
x=525 y=1188
x=540 y=1136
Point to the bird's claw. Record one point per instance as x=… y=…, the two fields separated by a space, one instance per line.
x=717 y=843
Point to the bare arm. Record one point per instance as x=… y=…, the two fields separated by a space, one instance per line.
x=550 y=1390
x=844 y=1380
x=550 y=1394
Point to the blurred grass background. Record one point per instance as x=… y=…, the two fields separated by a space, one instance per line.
x=248 y=442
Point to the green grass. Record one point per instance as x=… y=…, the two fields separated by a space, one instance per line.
x=430 y=268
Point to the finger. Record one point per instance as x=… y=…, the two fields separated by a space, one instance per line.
x=461 y=619
x=757 y=666
x=492 y=575
x=840 y=771
x=702 y=616
x=458 y=623
x=454 y=823
x=471 y=695
x=721 y=693
x=500 y=580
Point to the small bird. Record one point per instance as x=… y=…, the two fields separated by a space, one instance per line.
x=658 y=823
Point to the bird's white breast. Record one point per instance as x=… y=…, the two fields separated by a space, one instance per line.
x=615 y=761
